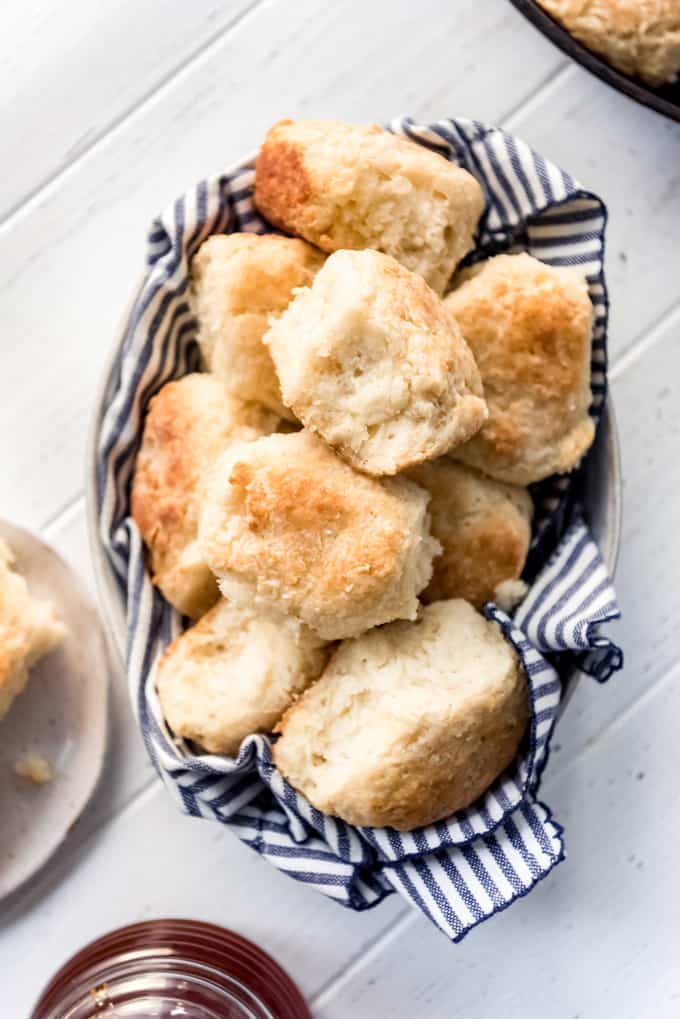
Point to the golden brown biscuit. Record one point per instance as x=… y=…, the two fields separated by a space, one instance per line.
x=408 y=723
x=529 y=326
x=240 y=282
x=29 y=629
x=639 y=37
x=234 y=673
x=344 y=186
x=189 y=423
x=289 y=524
x=370 y=358
x=483 y=527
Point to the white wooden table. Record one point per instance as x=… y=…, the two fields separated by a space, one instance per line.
x=109 y=111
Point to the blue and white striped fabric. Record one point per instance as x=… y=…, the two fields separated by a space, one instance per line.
x=463 y=870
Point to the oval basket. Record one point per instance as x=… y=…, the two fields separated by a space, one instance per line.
x=457 y=872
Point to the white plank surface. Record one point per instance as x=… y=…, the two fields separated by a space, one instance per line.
x=610 y=781
x=109 y=112
x=71 y=70
x=127 y=769
x=140 y=866
x=597 y=938
x=647 y=396
x=79 y=245
x=631 y=159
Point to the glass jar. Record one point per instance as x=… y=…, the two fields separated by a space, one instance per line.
x=171 y=969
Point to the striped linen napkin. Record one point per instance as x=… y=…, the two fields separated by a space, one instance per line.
x=461 y=871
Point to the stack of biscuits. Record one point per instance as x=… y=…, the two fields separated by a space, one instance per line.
x=343 y=488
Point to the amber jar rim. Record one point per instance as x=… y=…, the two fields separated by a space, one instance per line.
x=232 y=966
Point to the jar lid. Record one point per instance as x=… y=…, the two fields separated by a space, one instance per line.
x=167 y=969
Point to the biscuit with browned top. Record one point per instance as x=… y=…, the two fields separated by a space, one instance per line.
x=347 y=186
x=410 y=722
x=188 y=424
x=483 y=527
x=370 y=358
x=289 y=524
x=240 y=283
x=529 y=326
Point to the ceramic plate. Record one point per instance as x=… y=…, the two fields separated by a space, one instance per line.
x=61 y=715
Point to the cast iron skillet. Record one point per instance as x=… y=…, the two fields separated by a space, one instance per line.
x=664 y=99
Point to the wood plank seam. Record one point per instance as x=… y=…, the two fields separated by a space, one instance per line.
x=63 y=514
x=35 y=195
x=407 y=918
x=33 y=198
x=5 y=225
x=368 y=951
x=551 y=82
x=646 y=340
x=619 y=721
x=620 y=366
x=32 y=894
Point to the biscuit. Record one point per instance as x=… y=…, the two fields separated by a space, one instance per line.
x=239 y=282
x=189 y=423
x=408 y=723
x=529 y=326
x=289 y=524
x=370 y=358
x=344 y=186
x=234 y=673
x=29 y=629
x=483 y=527
x=638 y=37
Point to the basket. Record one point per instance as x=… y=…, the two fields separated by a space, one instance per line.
x=461 y=871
